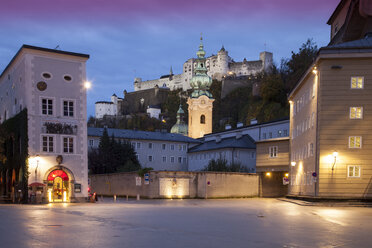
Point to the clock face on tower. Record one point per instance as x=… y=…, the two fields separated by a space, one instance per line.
x=41 y=86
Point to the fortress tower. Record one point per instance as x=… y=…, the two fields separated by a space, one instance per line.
x=201 y=101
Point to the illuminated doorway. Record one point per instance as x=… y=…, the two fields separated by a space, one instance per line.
x=58 y=186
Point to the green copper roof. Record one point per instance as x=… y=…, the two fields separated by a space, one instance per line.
x=180 y=126
x=201 y=82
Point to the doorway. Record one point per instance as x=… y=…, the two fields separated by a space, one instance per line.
x=58 y=186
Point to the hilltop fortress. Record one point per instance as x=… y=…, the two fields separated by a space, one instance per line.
x=219 y=66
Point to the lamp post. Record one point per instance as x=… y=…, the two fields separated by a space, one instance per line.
x=37 y=165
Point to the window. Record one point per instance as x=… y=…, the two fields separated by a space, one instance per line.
x=150 y=145
x=356 y=112
x=202 y=119
x=357 y=83
x=46 y=75
x=311 y=149
x=180 y=147
x=172 y=147
x=163 y=146
x=164 y=159
x=179 y=159
x=67 y=78
x=264 y=135
x=273 y=150
x=252 y=155
x=91 y=142
x=150 y=158
x=279 y=133
x=68 y=145
x=172 y=159
x=270 y=135
x=184 y=160
x=48 y=143
x=47 y=106
x=353 y=171
x=355 y=141
x=184 y=147
x=68 y=108
x=138 y=145
x=285 y=132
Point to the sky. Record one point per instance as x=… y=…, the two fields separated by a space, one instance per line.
x=144 y=38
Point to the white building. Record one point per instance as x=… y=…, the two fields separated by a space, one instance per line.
x=50 y=85
x=218 y=66
x=159 y=150
x=106 y=108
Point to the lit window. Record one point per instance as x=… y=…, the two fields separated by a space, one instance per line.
x=356 y=112
x=68 y=108
x=47 y=106
x=355 y=142
x=68 y=145
x=357 y=82
x=353 y=171
x=48 y=143
x=273 y=150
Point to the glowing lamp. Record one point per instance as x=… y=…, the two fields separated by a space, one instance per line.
x=268 y=174
x=286 y=174
x=87 y=85
x=315 y=71
x=293 y=163
x=335 y=154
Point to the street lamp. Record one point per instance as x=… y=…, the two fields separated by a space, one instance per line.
x=37 y=158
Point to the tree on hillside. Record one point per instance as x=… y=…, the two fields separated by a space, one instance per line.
x=293 y=68
x=112 y=156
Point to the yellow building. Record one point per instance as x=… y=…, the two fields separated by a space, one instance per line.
x=201 y=101
x=330 y=113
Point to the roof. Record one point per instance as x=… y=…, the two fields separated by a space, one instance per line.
x=273 y=139
x=244 y=142
x=141 y=135
x=355 y=44
x=44 y=50
x=337 y=10
x=254 y=125
x=105 y=102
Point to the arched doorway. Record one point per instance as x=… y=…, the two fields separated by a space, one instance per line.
x=58 y=186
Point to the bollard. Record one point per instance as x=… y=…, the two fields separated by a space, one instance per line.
x=114 y=198
x=138 y=197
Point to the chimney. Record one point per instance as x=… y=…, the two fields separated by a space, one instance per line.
x=239 y=124
x=227 y=126
x=253 y=121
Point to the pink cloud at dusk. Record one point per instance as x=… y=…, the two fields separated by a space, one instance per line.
x=111 y=10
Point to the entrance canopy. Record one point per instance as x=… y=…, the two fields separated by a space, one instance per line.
x=58 y=173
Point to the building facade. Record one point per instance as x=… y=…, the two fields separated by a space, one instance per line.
x=158 y=150
x=50 y=85
x=330 y=113
x=218 y=67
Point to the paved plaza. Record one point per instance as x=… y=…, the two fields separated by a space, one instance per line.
x=185 y=223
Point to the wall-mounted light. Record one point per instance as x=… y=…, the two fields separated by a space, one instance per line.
x=286 y=174
x=335 y=155
x=268 y=174
x=315 y=70
x=290 y=101
x=293 y=163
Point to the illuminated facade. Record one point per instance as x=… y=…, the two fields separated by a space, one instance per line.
x=50 y=85
x=330 y=120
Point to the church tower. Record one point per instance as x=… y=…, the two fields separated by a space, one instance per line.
x=201 y=100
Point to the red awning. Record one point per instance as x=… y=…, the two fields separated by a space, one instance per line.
x=36 y=184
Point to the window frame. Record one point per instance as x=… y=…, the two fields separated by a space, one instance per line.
x=42 y=143
x=273 y=151
x=351 y=82
x=360 y=142
x=356 y=118
x=53 y=99
x=63 y=100
x=354 y=166
x=63 y=137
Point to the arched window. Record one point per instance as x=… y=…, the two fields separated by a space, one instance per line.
x=202 y=119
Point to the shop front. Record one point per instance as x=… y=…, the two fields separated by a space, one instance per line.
x=59 y=181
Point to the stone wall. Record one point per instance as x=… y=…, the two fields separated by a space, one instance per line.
x=177 y=184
